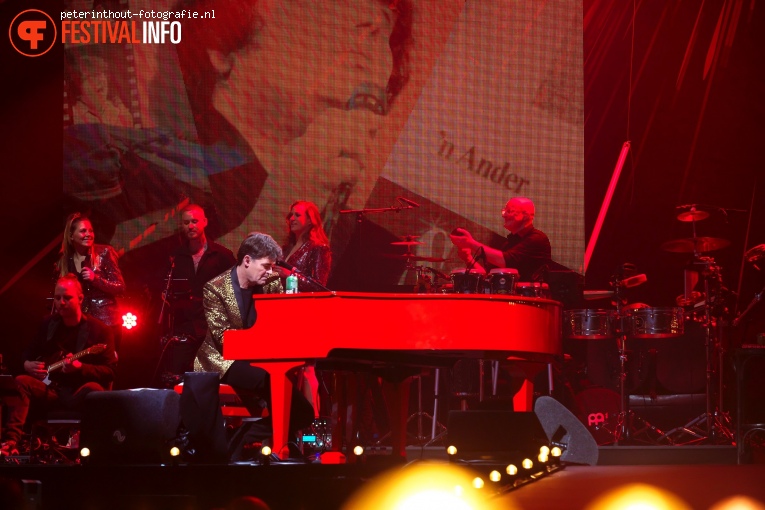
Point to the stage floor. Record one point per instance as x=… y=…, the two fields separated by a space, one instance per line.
x=700 y=475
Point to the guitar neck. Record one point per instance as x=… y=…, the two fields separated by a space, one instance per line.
x=59 y=364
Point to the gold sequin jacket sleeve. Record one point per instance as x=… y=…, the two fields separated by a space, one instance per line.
x=222 y=314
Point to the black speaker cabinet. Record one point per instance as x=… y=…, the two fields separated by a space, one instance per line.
x=130 y=426
x=495 y=435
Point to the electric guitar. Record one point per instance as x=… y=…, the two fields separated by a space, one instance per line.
x=94 y=349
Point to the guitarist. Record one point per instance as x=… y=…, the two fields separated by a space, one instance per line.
x=64 y=343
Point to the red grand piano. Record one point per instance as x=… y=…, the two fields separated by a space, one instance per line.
x=524 y=330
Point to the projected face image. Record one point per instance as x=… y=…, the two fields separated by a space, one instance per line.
x=311 y=56
x=308 y=92
x=94 y=83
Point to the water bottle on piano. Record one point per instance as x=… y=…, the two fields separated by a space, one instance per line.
x=291 y=284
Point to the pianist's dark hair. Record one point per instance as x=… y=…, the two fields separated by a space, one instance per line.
x=259 y=246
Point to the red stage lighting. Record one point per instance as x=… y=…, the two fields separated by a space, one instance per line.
x=129 y=321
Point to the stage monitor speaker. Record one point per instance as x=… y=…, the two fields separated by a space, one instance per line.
x=130 y=426
x=495 y=435
x=563 y=428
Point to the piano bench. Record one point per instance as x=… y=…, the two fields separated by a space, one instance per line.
x=231 y=405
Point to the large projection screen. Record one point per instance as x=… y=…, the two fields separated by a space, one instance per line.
x=457 y=106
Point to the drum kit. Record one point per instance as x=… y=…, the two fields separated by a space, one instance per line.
x=464 y=280
x=641 y=322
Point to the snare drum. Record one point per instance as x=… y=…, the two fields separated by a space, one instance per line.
x=502 y=280
x=654 y=322
x=467 y=282
x=533 y=289
x=588 y=324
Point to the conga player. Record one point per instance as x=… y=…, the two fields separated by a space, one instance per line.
x=527 y=249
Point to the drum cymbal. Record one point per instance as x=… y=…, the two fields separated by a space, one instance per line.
x=692 y=215
x=410 y=256
x=694 y=244
x=406 y=243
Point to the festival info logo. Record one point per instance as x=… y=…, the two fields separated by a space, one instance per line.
x=32 y=33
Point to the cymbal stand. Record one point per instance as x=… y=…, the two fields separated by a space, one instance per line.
x=625 y=432
x=713 y=426
x=424 y=283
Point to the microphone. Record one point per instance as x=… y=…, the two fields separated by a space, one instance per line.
x=299 y=274
x=287 y=265
x=410 y=203
x=634 y=281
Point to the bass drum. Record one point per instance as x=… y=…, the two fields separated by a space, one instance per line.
x=668 y=365
x=599 y=412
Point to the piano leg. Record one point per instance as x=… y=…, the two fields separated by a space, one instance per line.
x=344 y=391
x=397 y=395
x=523 y=400
x=281 y=400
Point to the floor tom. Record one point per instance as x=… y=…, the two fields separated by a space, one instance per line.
x=588 y=324
x=654 y=322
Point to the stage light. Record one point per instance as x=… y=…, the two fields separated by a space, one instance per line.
x=527 y=464
x=129 y=321
x=426 y=485
x=556 y=452
x=175 y=451
x=265 y=451
x=511 y=470
x=495 y=476
x=542 y=457
x=451 y=450
x=638 y=496
x=544 y=450
x=358 y=450
x=738 y=503
x=85 y=452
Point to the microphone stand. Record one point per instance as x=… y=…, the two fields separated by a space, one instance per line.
x=360 y=212
x=310 y=280
x=757 y=298
x=166 y=292
x=403 y=205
